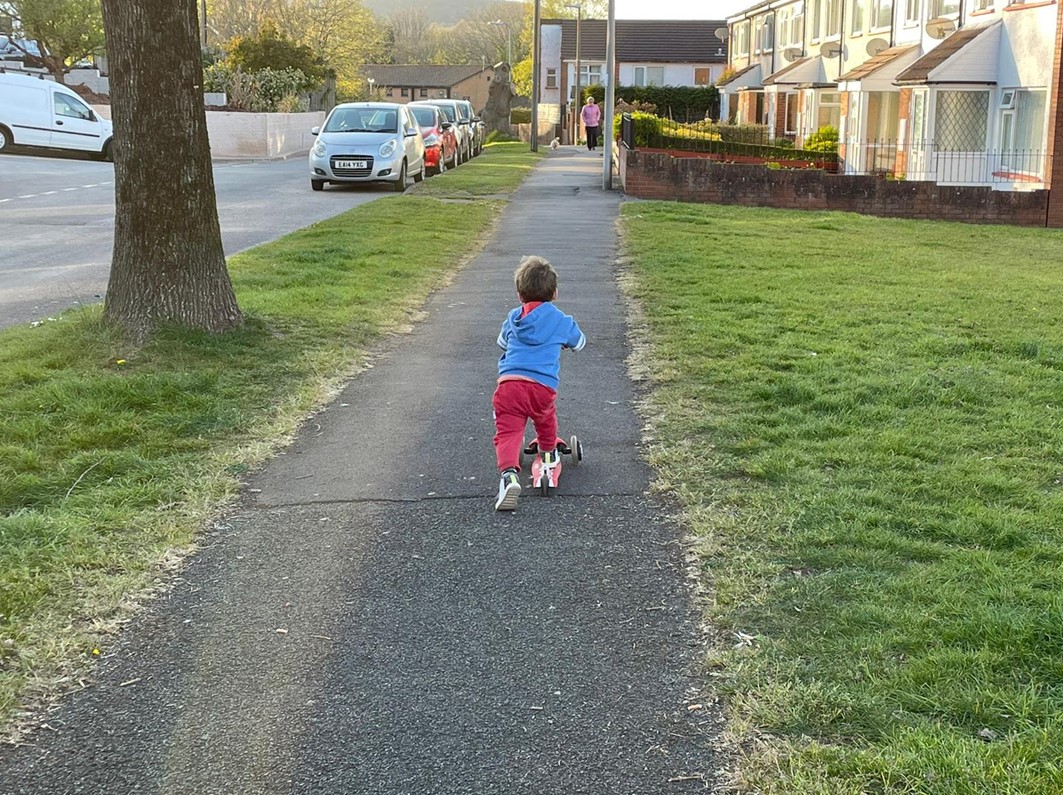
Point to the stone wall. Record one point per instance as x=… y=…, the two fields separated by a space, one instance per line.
x=260 y=136
x=649 y=174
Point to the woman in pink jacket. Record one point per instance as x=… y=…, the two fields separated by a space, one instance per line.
x=592 y=117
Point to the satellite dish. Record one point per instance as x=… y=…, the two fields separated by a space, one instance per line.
x=720 y=33
x=830 y=49
x=940 y=27
x=792 y=53
x=875 y=46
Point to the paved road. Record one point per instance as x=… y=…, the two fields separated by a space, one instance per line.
x=366 y=624
x=57 y=223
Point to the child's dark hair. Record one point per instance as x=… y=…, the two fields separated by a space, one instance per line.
x=536 y=280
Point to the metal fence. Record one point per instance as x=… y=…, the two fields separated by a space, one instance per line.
x=930 y=160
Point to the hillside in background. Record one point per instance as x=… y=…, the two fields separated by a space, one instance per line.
x=444 y=11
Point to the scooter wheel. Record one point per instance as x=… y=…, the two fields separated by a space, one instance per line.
x=544 y=485
x=577 y=450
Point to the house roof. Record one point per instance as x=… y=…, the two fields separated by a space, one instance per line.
x=924 y=69
x=418 y=75
x=737 y=78
x=645 y=40
x=877 y=62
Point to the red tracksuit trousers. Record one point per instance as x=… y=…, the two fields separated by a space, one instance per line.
x=515 y=403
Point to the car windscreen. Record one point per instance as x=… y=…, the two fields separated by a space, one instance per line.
x=426 y=117
x=448 y=111
x=378 y=120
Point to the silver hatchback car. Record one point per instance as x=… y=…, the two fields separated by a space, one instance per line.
x=367 y=142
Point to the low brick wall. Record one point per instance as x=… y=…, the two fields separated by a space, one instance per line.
x=660 y=175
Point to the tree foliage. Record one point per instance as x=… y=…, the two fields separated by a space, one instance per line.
x=67 y=30
x=342 y=33
x=271 y=49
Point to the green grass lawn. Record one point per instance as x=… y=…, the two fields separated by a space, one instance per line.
x=864 y=421
x=113 y=457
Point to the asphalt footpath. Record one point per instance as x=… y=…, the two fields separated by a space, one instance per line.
x=366 y=623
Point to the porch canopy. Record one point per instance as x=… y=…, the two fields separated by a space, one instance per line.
x=969 y=56
x=749 y=77
x=880 y=71
x=803 y=73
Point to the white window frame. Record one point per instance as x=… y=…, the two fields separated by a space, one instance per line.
x=642 y=75
x=551 y=78
x=912 y=10
x=883 y=9
x=857 y=12
x=941 y=8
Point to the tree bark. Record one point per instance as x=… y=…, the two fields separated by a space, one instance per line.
x=168 y=265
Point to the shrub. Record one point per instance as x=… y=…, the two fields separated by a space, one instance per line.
x=825 y=139
x=290 y=103
x=675 y=102
x=520 y=116
x=260 y=91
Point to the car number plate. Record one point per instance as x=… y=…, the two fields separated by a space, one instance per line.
x=352 y=164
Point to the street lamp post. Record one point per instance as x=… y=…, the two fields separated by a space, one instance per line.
x=509 y=40
x=536 y=67
x=371 y=83
x=578 y=102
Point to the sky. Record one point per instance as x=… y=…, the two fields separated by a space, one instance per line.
x=679 y=9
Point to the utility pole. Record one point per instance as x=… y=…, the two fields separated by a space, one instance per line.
x=610 y=99
x=536 y=68
x=509 y=40
x=579 y=99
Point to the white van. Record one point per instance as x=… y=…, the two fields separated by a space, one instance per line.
x=39 y=112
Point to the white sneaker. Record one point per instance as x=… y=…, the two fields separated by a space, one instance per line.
x=508 y=491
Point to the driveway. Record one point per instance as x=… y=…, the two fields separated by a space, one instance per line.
x=57 y=223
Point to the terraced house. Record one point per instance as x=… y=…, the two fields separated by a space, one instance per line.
x=958 y=92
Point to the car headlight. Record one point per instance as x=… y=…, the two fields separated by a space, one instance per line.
x=431 y=140
x=387 y=149
x=320 y=149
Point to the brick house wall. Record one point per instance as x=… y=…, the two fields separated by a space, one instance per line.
x=1054 y=217
x=660 y=175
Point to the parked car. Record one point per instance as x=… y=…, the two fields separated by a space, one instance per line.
x=462 y=125
x=477 y=129
x=367 y=142
x=440 y=142
x=39 y=112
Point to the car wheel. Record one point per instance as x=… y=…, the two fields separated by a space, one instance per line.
x=317 y=184
x=107 y=154
x=5 y=139
x=400 y=183
x=442 y=164
x=419 y=176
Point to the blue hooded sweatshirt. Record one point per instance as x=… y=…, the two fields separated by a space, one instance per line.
x=533 y=343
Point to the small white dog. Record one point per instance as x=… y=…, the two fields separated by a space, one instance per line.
x=554 y=144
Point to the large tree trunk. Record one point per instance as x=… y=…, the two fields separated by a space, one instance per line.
x=168 y=265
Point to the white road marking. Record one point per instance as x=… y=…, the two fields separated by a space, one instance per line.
x=28 y=196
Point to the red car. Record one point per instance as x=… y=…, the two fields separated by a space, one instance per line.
x=440 y=143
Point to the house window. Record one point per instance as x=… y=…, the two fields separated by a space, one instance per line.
x=960 y=121
x=551 y=78
x=791 y=19
x=830 y=110
x=944 y=8
x=406 y=92
x=591 y=74
x=858 y=17
x=767 y=33
x=702 y=76
x=389 y=92
x=881 y=13
x=741 y=39
x=649 y=75
x=911 y=12
x=423 y=92
x=1022 y=126
x=983 y=5
x=826 y=19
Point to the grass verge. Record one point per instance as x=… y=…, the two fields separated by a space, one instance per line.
x=863 y=420
x=112 y=458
